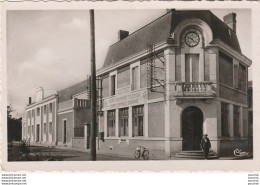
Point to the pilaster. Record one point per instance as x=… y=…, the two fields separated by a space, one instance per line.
x=105 y=123
x=231 y=122
x=170 y=77
x=130 y=121
x=241 y=122
x=201 y=67
x=182 y=67
x=146 y=126
x=117 y=123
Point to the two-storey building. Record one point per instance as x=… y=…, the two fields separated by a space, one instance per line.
x=58 y=118
x=173 y=80
x=40 y=125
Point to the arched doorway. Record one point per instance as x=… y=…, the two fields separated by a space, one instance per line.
x=192 y=122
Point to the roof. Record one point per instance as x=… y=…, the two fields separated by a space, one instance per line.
x=67 y=93
x=162 y=28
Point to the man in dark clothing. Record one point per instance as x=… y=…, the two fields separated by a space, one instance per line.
x=205 y=145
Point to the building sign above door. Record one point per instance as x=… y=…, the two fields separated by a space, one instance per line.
x=126 y=98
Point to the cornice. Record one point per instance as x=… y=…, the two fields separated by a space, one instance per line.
x=41 y=102
x=131 y=58
x=239 y=56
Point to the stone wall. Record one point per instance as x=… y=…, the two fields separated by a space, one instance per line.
x=78 y=142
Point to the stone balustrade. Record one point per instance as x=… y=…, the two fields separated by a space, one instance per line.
x=81 y=103
x=194 y=89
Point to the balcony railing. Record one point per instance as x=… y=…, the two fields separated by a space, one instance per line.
x=194 y=89
x=81 y=103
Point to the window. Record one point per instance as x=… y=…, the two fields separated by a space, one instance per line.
x=50 y=108
x=44 y=128
x=113 y=85
x=105 y=85
x=135 y=78
x=242 y=78
x=143 y=73
x=225 y=69
x=38 y=111
x=123 y=77
x=111 y=119
x=32 y=129
x=44 y=109
x=28 y=115
x=50 y=127
x=236 y=115
x=33 y=113
x=138 y=120
x=192 y=67
x=224 y=120
x=123 y=121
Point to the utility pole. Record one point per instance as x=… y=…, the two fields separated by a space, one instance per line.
x=93 y=86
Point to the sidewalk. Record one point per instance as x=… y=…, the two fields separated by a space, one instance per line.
x=76 y=154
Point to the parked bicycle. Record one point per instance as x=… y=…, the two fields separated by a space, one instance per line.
x=141 y=152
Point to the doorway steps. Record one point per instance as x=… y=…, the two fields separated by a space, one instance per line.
x=194 y=154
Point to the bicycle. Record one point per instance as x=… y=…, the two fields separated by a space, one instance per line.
x=141 y=152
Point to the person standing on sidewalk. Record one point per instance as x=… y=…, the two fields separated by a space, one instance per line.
x=205 y=145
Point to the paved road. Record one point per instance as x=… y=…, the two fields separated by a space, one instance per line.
x=72 y=155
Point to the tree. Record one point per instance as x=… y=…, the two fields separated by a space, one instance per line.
x=14 y=126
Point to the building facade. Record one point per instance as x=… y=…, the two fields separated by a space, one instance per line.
x=40 y=125
x=161 y=87
x=173 y=80
x=58 y=118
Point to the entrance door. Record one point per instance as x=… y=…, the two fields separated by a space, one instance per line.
x=37 y=133
x=64 y=131
x=192 y=121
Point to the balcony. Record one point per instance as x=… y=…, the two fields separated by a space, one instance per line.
x=81 y=103
x=194 y=90
x=74 y=103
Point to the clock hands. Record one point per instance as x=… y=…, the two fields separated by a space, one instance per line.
x=190 y=38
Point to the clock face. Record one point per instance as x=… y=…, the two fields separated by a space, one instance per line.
x=192 y=39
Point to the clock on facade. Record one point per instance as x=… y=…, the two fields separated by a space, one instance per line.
x=192 y=39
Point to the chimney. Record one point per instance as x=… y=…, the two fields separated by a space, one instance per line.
x=39 y=94
x=230 y=20
x=122 y=34
x=30 y=100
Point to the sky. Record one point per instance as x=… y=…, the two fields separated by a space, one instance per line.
x=51 y=49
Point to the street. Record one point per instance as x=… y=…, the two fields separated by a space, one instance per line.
x=68 y=154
